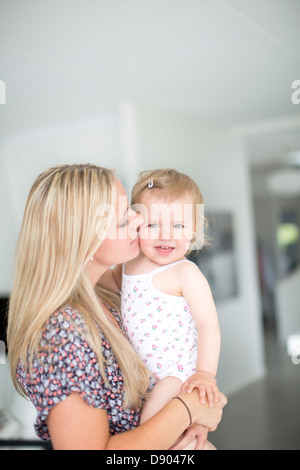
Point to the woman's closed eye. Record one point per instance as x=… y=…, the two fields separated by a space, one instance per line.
x=155 y=225
x=123 y=224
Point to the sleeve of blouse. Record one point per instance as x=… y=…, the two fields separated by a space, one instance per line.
x=70 y=366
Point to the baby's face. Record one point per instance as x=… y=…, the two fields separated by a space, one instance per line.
x=168 y=227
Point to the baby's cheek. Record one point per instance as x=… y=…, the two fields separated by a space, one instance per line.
x=146 y=237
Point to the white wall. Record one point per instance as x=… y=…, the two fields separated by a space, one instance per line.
x=8 y=231
x=23 y=157
x=217 y=162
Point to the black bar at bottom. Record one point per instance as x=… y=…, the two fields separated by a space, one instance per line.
x=24 y=443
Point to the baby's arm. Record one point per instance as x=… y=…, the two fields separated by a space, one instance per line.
x=197 y=293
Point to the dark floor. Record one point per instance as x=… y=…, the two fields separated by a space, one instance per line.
x=266 y=414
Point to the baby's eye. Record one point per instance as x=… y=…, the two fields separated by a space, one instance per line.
x=153 y=226
x=178 y=226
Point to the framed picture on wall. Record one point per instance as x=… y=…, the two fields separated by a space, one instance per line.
x=217 y=260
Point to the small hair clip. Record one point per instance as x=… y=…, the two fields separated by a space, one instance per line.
x=150 y=184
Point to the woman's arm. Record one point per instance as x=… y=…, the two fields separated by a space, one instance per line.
x=75 y=425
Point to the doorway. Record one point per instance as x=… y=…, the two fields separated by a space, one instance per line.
x=277 y=222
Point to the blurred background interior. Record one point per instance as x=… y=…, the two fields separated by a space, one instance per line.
x=211 y=88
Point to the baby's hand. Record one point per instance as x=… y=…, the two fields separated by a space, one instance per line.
x=207 y=385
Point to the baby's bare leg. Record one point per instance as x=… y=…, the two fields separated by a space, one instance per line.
x=160 y=395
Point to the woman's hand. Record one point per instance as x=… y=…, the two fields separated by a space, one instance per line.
x=222 y=399
x=211 y=417
x=196 y=433
x=195 y=437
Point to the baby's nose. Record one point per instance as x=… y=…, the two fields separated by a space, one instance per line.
x=165 y=232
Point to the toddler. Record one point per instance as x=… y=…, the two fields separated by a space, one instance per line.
x=167 y=307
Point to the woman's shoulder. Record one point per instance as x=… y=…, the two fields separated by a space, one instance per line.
x=65 y=314
x=69 y=324
x=64 y=322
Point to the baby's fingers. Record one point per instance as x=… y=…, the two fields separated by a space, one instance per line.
x=189 y=385
x=202 y=393
x=216 y=394
x=185 y=386
x=210 y=397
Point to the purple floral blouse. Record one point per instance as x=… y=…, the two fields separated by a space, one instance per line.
x=72 y=366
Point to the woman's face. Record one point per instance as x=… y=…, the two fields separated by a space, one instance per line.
x=122 y=241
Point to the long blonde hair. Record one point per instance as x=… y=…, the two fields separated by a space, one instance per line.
x=60 y=232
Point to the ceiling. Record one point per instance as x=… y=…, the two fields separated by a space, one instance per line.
x=231 y=62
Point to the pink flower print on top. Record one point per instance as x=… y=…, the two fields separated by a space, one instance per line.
x=164 y=323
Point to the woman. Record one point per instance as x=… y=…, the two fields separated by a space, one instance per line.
x=67 y=350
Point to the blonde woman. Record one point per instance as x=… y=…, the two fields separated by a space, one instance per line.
x=67 y=349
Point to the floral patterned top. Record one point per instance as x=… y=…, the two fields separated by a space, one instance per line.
x=160 y=326
x=72 y=366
